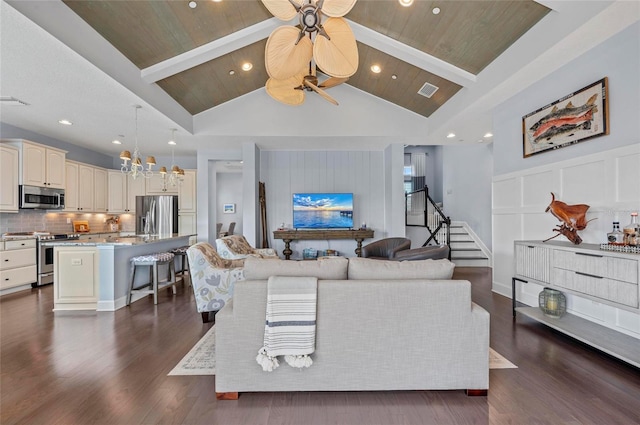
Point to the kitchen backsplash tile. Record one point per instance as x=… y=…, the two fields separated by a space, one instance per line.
x=31 y=220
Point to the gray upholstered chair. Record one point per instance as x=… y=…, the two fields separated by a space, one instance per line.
x=436 y=252
x=385 y=248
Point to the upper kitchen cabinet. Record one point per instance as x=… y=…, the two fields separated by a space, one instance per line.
x=41 y=165
x=157 y=185
x=187 y=193
x=100 y=181
x=123 y=191
x=9 y=181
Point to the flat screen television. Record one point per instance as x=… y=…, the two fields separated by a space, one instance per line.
x=322 y=210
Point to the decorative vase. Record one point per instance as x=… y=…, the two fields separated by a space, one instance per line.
x=552 y=302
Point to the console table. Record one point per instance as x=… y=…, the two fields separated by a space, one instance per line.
x=584 y=270
x=291 y=235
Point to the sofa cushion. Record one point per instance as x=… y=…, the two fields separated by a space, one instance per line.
x=261 y=268
x=367 y=268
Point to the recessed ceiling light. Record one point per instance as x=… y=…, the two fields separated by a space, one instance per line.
x=435 y=10
x=405 y=3
x=486 y=136
x=193 y=4
x=232 y=72
x=480 y=140
x=247 y=66
x=65 y=122
x=394 y=77
x=216 y=1
x=172 y=143
x=376 y=69
x=116 y=142
x=451 y=135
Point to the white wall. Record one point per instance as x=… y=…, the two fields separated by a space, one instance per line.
x=229 y=191
x=602 y=172
x=359 y=172
x=466 y=184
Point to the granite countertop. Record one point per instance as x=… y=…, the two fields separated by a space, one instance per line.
x=121 y=241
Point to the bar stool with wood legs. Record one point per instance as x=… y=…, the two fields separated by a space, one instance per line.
x=181 y=252
x=153 y=261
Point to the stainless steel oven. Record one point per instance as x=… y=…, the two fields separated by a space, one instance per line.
x=45 y=256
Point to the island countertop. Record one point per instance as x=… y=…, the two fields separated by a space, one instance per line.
x=119 y=241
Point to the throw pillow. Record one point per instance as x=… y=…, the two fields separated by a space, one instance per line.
x=367 y=268
x=262 y=268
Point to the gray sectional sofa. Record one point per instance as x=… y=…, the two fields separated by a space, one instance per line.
x=381 y=325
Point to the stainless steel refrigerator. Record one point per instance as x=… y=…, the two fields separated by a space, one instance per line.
x=156 y=215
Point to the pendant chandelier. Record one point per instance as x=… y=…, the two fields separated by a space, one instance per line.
x=176 y=176
x=136 y=169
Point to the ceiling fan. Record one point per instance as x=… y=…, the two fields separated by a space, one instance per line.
x=292 y=53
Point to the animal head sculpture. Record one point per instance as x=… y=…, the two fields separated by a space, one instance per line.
x=573 y=218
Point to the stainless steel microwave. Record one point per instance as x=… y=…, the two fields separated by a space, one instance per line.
x=34 y=197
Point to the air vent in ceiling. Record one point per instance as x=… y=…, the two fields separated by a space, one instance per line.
x=427 y=90
x=12 y=101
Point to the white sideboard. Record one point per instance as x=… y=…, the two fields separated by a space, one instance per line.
x=607 y=277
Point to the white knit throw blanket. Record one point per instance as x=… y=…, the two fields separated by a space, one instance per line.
x=290 y=327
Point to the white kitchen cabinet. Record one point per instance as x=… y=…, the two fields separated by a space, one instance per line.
x=76 y=282
x=117 y=199
x=186 y=224
x=135 y=187
x=71 y=187
x=9 y=178
x=18 y=263
x=123 y=191
x=155 y=185
x=187 y=193
x=86 y=195
x=100 y=184
x=43 y=166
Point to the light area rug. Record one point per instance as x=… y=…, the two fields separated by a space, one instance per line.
x=201 y=359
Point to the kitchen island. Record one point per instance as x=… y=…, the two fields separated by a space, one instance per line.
x=94 y=275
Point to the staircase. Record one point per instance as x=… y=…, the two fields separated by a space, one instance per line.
x=465 y=251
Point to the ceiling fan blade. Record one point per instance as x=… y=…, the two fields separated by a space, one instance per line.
x=281 y=9
x=337 y=57
x=284 y=90
x=332 y=82
x=337 y=8
x=282 y=57
x=320 y=92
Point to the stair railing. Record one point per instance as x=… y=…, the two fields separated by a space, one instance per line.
x=420 y=210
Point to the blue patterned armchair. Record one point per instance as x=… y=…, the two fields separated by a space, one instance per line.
x=212 y=278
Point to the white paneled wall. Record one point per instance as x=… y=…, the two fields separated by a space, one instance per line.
x=287 y=172
x=609 y=182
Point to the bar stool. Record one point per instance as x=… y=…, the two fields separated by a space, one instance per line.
x=184 y=264
x=153 y=261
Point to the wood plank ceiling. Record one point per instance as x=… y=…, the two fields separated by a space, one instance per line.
x=466 y=34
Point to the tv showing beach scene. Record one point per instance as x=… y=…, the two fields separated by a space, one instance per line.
x=323 y=210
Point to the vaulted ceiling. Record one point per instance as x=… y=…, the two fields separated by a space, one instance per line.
x=467 y=35
x=92 y=60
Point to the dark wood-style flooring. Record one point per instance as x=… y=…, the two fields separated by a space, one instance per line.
x=111 y=368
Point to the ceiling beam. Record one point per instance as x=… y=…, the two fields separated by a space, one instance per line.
x=210 y=51
x=412 y=55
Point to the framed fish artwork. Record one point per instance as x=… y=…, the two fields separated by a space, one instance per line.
x=574 y=118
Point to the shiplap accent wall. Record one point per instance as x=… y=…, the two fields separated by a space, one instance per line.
x=359 y=172
x=608 y=182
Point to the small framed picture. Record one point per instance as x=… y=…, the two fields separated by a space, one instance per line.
x=229 y=208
